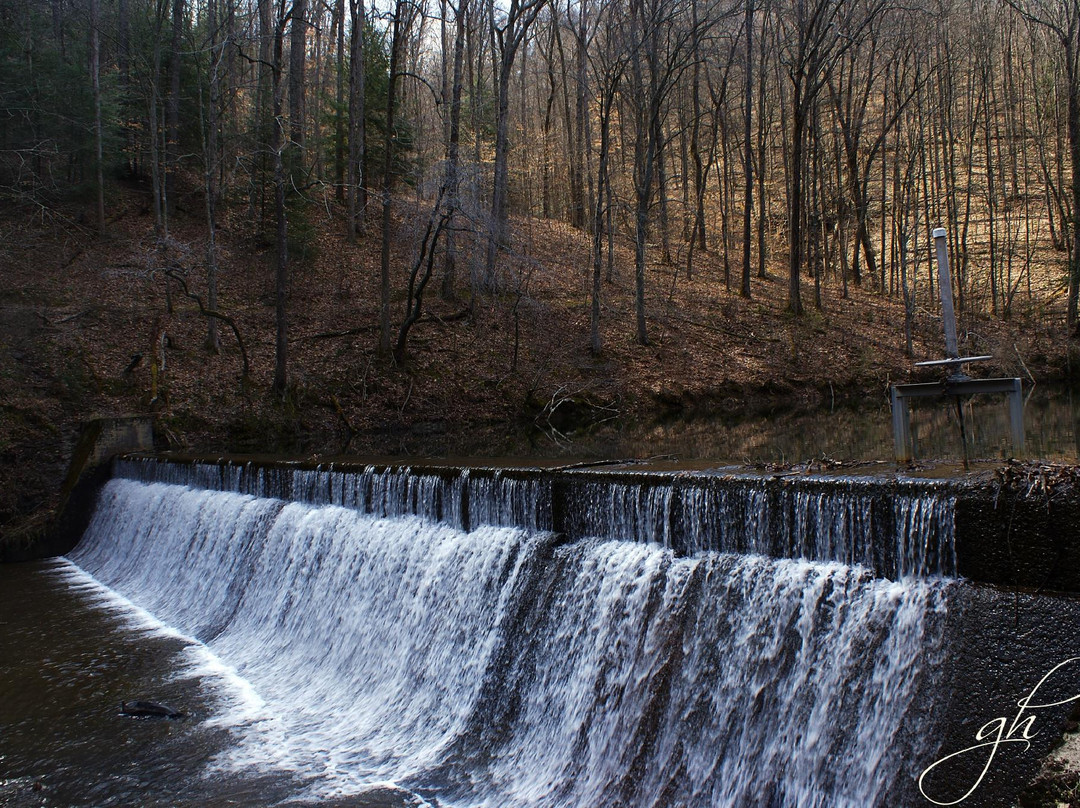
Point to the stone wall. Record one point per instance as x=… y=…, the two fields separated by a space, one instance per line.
x=100 y=440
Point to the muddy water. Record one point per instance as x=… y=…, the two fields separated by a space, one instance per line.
x=70 y=653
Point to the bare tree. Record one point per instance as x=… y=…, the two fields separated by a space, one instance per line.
x=453 y=151
x=815 y=35
x=357 y=129
x=172 y=112
x=609 y=65
x=421 y=273
x=341 y=104
x=297 y=64
x=95 y=78
x=210 y=174
x=1062 y=19
x=658 y=60
x=508 y=37
x=277 y=147
x=748 y=147
x=859 y=72
x=404 y=14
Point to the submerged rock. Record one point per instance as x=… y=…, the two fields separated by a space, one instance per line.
x=148 y=709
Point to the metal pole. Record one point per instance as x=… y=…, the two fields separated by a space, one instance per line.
x=901 y=422
x=1016 y=417
x=963 y=431
x=948 y=315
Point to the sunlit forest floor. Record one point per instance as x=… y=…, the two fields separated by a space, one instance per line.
x=82 y=315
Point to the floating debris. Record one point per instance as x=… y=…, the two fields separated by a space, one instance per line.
x=1050 y=481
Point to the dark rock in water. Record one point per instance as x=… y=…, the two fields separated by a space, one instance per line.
x=148 y=709
x=376 y=795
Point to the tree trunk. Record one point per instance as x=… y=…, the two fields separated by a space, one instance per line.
x=697 y=232
x=172 y=112
x=499 y=236
x=602 y=184
x=662 y=192
x=264 y=101
x=57 y=8
x=123 y=63
x=95 y=77
x=357 y=127
x=581 y=111
x=453 y=157
x=1073 y=72
x=156 y=132
x=425 y=264
x=297 y=53
x=397 y=36
x=748 y=159
x=340 y=139
x=761 y=136
x=520 y=17
x=644 y=161
x=212 y=340
x=795 y=202
x=549 y=107
x=281 y=276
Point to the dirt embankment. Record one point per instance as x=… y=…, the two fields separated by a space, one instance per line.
x=92 y=325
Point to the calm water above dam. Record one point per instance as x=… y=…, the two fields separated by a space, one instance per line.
x=1051 y=416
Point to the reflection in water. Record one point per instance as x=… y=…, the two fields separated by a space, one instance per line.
x=1051 y=419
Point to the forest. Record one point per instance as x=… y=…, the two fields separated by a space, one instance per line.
x=846 y=129
x=718 y=192
x=439 y=260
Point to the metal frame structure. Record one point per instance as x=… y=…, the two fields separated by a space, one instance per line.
x=957 y=384
x=957 y=388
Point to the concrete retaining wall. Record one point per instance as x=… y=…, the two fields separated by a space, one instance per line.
x=100 y=440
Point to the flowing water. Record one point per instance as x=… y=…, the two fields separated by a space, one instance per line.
x=356 y=643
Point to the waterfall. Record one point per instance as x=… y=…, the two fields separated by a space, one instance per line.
x=446 y=631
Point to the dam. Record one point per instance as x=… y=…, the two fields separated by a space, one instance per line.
x=465 y=636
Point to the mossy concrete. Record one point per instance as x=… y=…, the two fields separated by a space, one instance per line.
x=1013 y=537
x=99 y=441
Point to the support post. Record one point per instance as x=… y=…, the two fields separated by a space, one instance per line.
x=1016 y=417
x=948 y=314
x=901 y=424
x=957 y=383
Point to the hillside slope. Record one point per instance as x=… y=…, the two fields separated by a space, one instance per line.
x=82 y=316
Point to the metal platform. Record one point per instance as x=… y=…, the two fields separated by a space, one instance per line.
x=956 y=385
x=956 y=388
